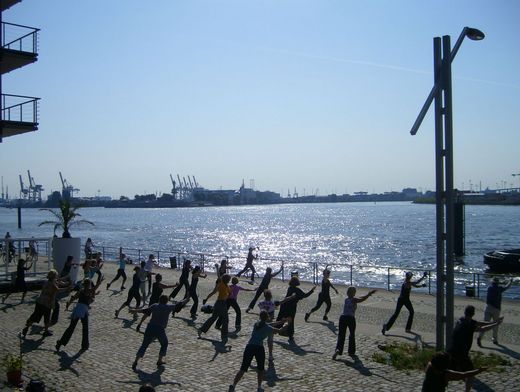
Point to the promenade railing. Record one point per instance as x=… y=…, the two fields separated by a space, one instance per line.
x=472 y=284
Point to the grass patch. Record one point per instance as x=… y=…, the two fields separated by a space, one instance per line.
x=405 y=356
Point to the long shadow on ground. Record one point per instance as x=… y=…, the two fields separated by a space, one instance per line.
x=153 y=378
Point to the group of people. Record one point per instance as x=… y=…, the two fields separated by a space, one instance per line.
x=455 y=364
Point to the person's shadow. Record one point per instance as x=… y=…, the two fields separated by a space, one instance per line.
x=506 y=350
x=67 y=361
x=357 y=364
x=271 y=377
x=220 y=347
x=153 y=378
x=296 y=349
x=129 y=323
x=330 y=325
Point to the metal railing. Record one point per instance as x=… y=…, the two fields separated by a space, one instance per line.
x=471 y=284
x=19 y=37
x=19 y=108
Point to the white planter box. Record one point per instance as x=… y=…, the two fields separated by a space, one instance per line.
x=61 y=249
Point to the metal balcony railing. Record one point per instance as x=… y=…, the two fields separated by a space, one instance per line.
x=19 y=108
x=19 y=37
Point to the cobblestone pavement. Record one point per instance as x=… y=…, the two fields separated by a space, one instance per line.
x=206 y=365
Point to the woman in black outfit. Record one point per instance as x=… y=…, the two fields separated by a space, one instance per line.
x=183 y=280
x=264 y=285
x=19 y=283
x=323 y=296
x=133 y=293
x=404 y=300
x=288 y=309
x=195 y=275
x=85 y=297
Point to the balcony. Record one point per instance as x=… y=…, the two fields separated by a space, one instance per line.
x=5 y=4
x=19 y=115
x=19 y=46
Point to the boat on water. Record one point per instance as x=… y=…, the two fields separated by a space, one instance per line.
x=503 y=260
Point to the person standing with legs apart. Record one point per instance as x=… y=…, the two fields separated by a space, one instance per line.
x=19 y=283
x=157 y=290
x=404 y=300
x=323 y=296
x=249 y=264
x=183 y=280
x=133 y=293
x=493 y=305
x=195 y=275
x=255 y=349
x=264 y=285
x=85 y=297
x=156 y=329
x=289 y=305
x=45 y=303
x=348 y=320
x=232 y=302
x=120 y=271
x=219 y=309
x=149 y=270
x=462 y=339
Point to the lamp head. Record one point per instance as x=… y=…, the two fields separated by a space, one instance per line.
x=474 y=34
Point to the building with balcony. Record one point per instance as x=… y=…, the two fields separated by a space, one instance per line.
x=19 y=47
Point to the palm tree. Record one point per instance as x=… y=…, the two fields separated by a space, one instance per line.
x=66 y=216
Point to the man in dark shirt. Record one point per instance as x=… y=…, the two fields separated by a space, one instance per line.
x=462 y=339
x=493 y=305
x=156 y=328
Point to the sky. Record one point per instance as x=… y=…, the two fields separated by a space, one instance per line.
x=317 y=96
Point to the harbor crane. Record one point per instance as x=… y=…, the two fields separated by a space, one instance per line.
x=182 y=191
x=35 y=190
x=518 y=176
x=195 y=183
x=174 y=187
x=24 y=192
x=67 y=189
x=189 y=180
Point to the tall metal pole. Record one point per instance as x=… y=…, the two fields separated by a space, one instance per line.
x=450 y=214
x=439 y=197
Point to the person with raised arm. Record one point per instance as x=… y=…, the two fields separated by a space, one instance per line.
x=348 y=320
x=264 y=285
x=255 y=349
x=438 y=374
x=324 y=295
x=404 y=300
x=289 y=308
x=156 y=329
x=85 y=297
x=462 y=339
x=249 y=264
x=493 y=305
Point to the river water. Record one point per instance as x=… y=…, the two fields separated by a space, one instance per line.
x=369 y=236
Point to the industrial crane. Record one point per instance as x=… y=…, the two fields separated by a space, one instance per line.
x=67 y=189
x=35 y=190
x=195 y=182
x=174 y=187
x=189 y=180
x=24 y=192
x=181 y=189
x=517 y=175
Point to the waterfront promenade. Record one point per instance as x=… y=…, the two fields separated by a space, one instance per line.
x=205 y=365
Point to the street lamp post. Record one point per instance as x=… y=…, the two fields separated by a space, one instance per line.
x=441 y=92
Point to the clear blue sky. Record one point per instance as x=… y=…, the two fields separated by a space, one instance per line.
x=291 y=93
